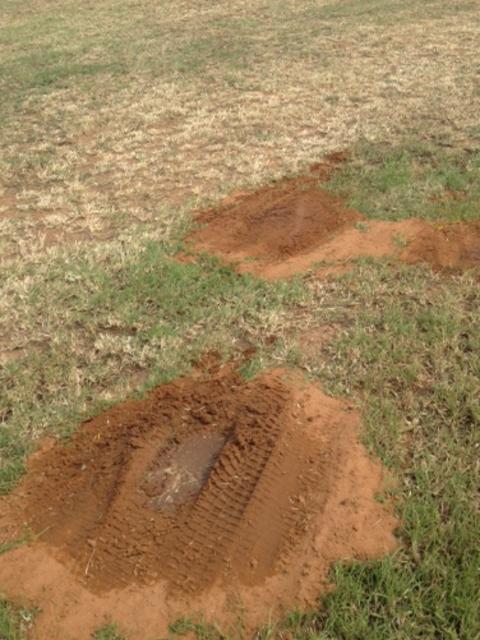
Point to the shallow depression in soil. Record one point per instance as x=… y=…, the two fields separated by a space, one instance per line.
x=179 y=474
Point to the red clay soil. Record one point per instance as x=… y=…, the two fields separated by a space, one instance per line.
x=212 y=496
x=446 y=246
x=274 y=224
x=452 y=246
x=288 y=227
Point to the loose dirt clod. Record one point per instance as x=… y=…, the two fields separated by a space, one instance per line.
x=286 y=228
x=212 y=495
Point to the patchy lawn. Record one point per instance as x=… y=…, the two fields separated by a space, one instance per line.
x=117 y=119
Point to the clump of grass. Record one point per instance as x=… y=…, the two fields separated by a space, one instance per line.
x=201 y=630
x=108 y=632
x=14 y=622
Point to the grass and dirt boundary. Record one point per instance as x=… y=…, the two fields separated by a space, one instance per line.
x=118 y=119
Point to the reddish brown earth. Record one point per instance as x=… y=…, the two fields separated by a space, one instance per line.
x=452 y=246
x=215 y=496
x=288 y=227
x=276 y=224
x=446 y=246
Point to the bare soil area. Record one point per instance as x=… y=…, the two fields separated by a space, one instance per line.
x=286 y=228
x=212 y=495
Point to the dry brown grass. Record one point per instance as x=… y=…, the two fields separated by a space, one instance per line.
x=215 y=97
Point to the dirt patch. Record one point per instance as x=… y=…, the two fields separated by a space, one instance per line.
x=315 y=339
x=274 y=224
x=446 y=246
x=8 y=204
x=451 y=246
x=286 y=228
x=212 y=495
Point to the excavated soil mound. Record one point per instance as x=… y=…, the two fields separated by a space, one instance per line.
x=286 y=228
x=212 y=495
x=445 y=246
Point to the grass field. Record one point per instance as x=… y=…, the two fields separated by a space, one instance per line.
x=117 y=119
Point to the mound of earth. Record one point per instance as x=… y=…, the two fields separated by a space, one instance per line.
x=288 y=227
x=213 y=495
x=453 y=246
x=446 y=246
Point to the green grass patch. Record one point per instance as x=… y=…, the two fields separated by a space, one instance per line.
x=200 y=630
x=108 y=323
x=412 y=356
x=109 y=632
x=14 y=623
x=413 y=180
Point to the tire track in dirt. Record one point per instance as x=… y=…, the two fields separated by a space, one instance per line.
x=212 y=494
x=239 y=513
